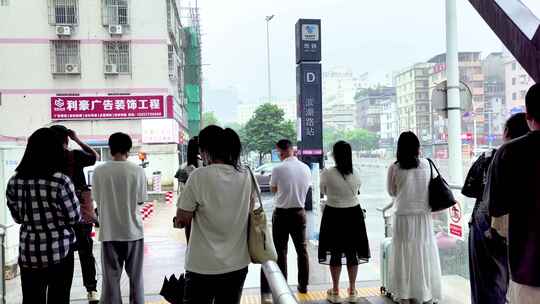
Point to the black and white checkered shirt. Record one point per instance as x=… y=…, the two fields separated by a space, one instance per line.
x=46 y=209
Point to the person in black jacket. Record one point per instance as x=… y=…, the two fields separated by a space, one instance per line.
x=76 y=161
x=488 y=258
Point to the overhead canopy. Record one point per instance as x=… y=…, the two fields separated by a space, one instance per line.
x=517 y=27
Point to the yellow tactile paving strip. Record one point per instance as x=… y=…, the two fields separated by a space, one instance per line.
x=309 y=297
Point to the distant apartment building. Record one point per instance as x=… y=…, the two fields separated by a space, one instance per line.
x=517 y=83
x=413 y=103
x=97 y=67
x=495 y=113
x=339 y=89
x=369 y=107
x=470 y=73
x=245 y=111
x=389 y=119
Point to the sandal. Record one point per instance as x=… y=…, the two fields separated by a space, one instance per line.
x=332 y=296
x=353 y=296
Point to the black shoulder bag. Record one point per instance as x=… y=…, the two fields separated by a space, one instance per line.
x=440 y=195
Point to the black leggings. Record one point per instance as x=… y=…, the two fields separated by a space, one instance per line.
x=50 y=285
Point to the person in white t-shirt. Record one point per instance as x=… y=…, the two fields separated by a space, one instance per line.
x=290 y=183
x=343 y=238
x=216 y=202
x=119 y=189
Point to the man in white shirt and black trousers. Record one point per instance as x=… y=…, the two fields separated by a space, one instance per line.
x=290 y=183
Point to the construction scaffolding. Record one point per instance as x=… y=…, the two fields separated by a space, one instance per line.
x=192 y=67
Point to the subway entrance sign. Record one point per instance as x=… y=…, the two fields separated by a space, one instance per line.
x=309 y=102
x=309 y=91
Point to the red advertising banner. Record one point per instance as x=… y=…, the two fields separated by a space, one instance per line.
x=108 y=107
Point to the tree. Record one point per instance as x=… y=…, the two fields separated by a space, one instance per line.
x=362 y=140
x=209 y=118
x=359 y=139
x=234 y=125
x=265 y=128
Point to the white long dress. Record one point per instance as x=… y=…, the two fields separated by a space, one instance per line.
x=415 y=270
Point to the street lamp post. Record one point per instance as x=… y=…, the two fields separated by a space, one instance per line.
x=454 y=104
x=268 y=18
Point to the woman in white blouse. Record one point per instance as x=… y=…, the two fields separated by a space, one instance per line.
x=343 y=238
x=414 y=266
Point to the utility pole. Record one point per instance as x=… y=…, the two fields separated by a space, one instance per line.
x=490 y=123
x=475 y=132
x=268 y=18
x=454 y=104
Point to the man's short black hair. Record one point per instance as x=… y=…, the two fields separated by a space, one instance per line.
x=532 y=102
x=284 y=144
x=120 y=143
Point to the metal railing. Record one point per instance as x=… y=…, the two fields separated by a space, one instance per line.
x=281 y=293
x=3 y=229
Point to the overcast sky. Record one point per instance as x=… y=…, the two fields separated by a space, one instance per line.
x=377 y=37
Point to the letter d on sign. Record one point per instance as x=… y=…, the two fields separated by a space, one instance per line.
x=310 y=77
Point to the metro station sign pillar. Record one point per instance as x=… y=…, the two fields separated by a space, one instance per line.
x=309 y=91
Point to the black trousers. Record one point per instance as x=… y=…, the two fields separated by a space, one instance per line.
x=488 y=265
x=51 y=285
x=214 y=289
x=85 y=246
x=291 y=222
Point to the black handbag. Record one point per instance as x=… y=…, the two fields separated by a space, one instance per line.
x=440 y=195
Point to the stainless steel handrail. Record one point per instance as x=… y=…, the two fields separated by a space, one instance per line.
x=281 y=293
x=3 y=229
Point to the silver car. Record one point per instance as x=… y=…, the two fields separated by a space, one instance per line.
x=263 y=175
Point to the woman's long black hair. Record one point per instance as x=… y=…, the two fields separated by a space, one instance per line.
x=408 y=150
x=342 y=152
x=43 y=157
x=221 y=144
x=193 y=152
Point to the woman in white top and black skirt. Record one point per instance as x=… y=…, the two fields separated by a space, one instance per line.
x=343 y=238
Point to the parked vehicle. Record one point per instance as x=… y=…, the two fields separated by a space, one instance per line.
x=263 y=175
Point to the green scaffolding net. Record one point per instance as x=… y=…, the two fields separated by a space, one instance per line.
x=192 y=78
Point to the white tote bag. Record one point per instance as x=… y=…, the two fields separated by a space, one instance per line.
x=260 y=243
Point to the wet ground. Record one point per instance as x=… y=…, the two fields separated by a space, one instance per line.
x=165 y=247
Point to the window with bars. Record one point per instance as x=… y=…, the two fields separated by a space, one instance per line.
x=63 y=12
x=65 y=57
x=115 y=12
x=171 y=60
x=118 y=53
x=4 y=2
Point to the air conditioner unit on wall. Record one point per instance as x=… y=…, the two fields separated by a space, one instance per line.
x=111 y=69
x=63 y=30
x=71 y=68
x=116 y=30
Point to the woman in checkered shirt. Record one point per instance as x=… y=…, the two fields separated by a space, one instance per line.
x=43 y=201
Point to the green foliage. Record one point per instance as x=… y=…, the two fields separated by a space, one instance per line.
x=209 y=118
x=360 y=139
x=234 y=125
x=265 y=128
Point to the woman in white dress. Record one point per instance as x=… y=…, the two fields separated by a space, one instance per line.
x=414 y=265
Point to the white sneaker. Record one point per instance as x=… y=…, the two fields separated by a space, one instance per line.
x=332 y=296
x=93 y=296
